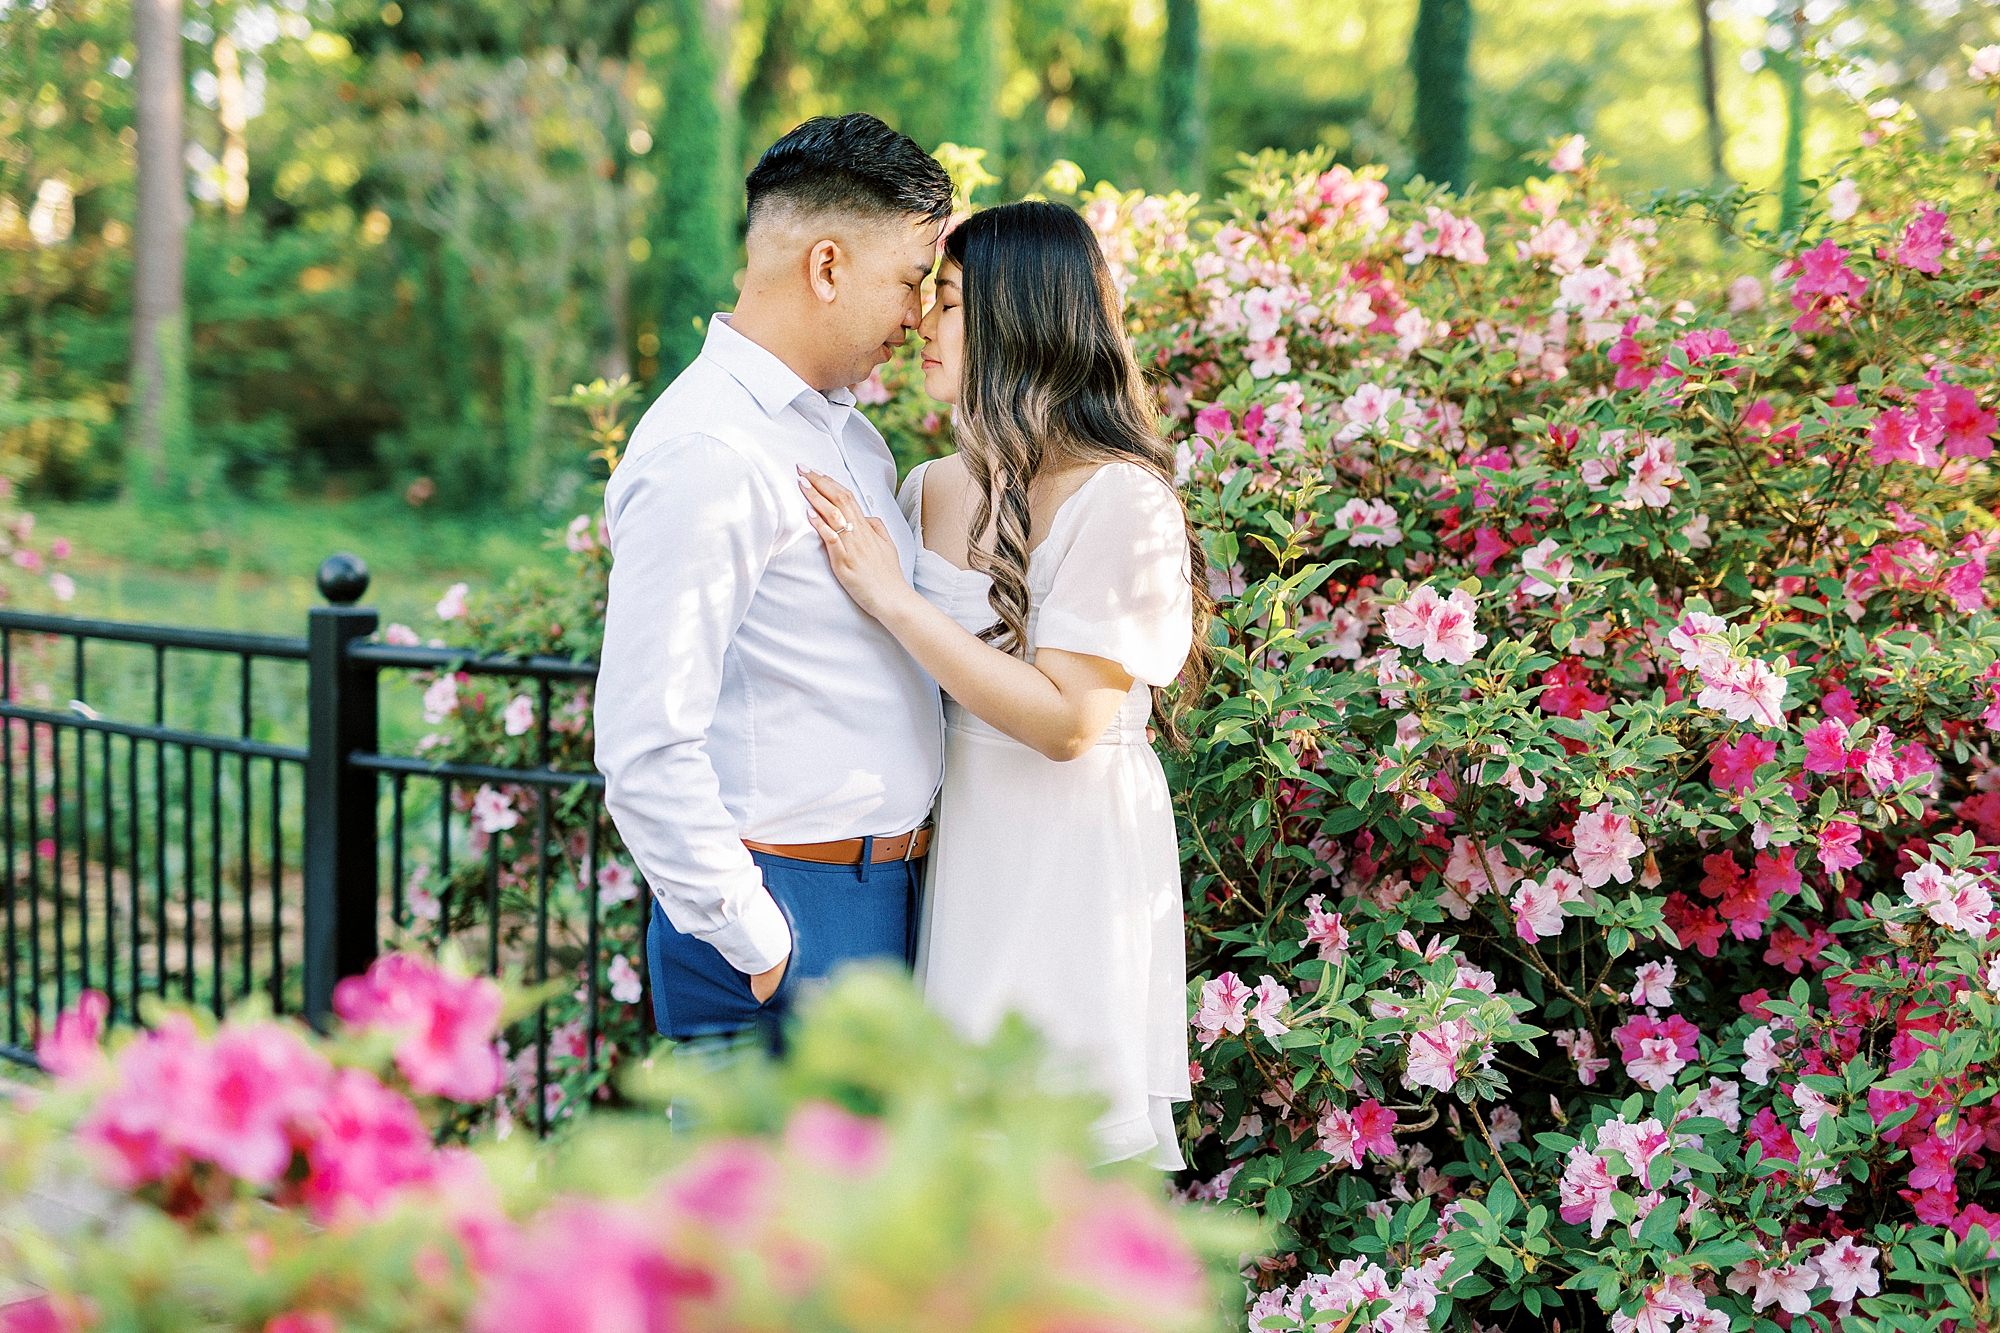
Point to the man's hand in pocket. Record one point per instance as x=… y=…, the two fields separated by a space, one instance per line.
x=765 y=984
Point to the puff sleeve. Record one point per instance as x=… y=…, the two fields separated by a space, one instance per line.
x=1121 y=589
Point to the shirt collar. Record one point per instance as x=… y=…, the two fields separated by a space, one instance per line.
x=770 y=381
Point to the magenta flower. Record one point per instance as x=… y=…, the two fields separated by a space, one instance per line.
x=836 y=1140
x=1906 y=437
x=1839 y=846
x=1924 y=242
x=71 y=1052
x=1733 y=768
x=369 y=1144
x=1826 y=748
x=445 y=1024
x=1214 y=424
x=1823 y=269
x=1605 y=844
x=262 y=1082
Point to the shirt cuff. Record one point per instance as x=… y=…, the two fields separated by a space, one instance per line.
x=756 y=941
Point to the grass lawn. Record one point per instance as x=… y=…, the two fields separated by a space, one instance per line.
x=252 y=567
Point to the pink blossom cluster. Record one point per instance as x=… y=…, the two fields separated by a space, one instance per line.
x=1443 y=627
x=443 y=1024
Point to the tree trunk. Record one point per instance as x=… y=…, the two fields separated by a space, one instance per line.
x=1182 y=122
x=973 y=119
x=694 y=244
x=159 y=247
x=1441 y=59
x=1792 y=71
x=1709 y=93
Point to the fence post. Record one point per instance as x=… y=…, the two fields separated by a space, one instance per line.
x=340 y=799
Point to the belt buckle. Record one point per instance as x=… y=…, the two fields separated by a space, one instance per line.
x=910 y=847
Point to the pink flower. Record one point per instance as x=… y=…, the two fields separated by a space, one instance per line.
x=1652 y=982
x=1719 y=1101
x=1745 y=294
x=1125 y=1246
x=1789 y=1288
x=369 y=1144
x=441 y=699
x=1924 y=242
x=1538 y=911
x=1224 y=1000
x=258 y=1082
x=1441 y=626
x=590 y=1268
x=1839 y=846
x=626 y=987
x=402 y=636
x=1581 y=1048
x=1605 y=844
x=1968 y=428
x=1449 y=237
x=1824 y=269
x=70 y=1053
x=1368 y=406
x=1375 y=1128
x=1434 y=1054
x=1745 y=689
x=1568 y=156
x=1849 y=1269
x=452 y=605
x=1325 y=930
x=445 y=1024
x=302 y=1321
x=1586 y=1189
x=1271 y=1000
x=836 y=1140
x=1700 y=641
x=1733 y=768
x=1545 y=570
x=1760 y=1055
x=1338 y=1138
x=1826 y=748
x=1843 y=200
x=730 y=1185
x=1368 y=523
x=1214 y=424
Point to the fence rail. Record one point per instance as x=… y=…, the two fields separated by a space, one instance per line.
x=142 y=858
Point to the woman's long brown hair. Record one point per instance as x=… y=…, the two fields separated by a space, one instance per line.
x=1050 y=381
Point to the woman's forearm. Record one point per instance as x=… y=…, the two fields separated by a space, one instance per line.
x=1020 y=700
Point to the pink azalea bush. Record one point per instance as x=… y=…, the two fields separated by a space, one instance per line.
x=1597 y=800
x=263 y=1179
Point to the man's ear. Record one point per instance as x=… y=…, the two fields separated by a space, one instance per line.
x=821 y=262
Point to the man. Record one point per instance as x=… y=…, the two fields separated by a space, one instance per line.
x=769 y=751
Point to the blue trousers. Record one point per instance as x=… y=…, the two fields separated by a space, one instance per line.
x=838 y=914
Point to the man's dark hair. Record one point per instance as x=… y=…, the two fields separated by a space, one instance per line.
x=852 y=163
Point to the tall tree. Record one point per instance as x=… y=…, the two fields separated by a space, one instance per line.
x=1441 y=60
x=1788 y=61
x=694 y=241
x=158 y=421
x=974 y=117
x=1710 y=98
x=1183 y=124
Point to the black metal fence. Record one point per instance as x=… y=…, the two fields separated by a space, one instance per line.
x=155 y=858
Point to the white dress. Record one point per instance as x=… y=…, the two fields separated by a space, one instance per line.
x=1054 y=889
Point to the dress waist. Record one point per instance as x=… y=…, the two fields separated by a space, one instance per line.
x=1128 y=728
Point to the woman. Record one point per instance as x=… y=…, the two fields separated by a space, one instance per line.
x=1057 y=594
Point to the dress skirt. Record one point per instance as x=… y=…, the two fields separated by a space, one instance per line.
x=1062 y=881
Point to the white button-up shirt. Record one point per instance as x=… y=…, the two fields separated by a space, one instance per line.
x=741 y=693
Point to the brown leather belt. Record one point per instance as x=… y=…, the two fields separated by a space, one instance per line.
x=847 y=851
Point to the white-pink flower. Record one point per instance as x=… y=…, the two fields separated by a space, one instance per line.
x=519 y=715
x=1591 y=292
x=1656 y=1063
x=1813 y=1106
x=1538 y=913
x=1368 y=406
x=1605 y=844
x=1651 y=984
x=1224 y=1000
x=1325 y=930
x=1435 y=1052
x=1546 y=570
x=1955 y=899
x=1263 y=312
x=1745 y=689
x=1653 y=472
x=1581 y=1048
x=1842 y=200
x=626 y=987
x=401 y=636
x=1368 y=523
x=616 y=884
x=492 y=811
x=1719 y=1101
x=1984 y=67
x=441 y=699
x=1700 y=640
x=1268 y=357
x=1788 y=1287
x=1849 y=1269
x=1760 y=1055
x=1569 y=154
x=452 y=605
x=1271 y=1001
x=1442 y=626
x=1586 y=1189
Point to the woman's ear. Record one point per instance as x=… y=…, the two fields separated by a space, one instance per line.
x=822 y=264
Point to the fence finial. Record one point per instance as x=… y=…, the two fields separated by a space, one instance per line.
x=343 y=578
